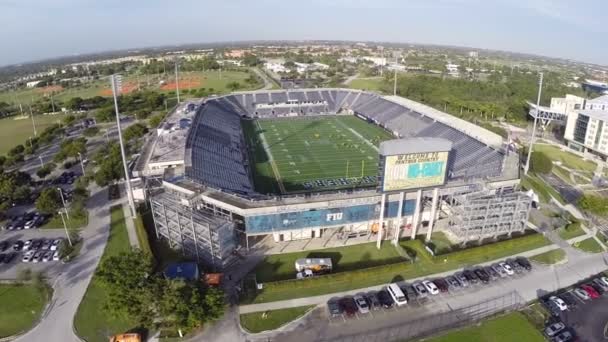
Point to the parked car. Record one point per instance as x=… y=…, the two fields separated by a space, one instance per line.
x=27 y=256
x=2 y=256
x=604 y=280
x=564 y=336
x=48 y=256
x=56 y=256
x=554 y=329
x=559 y=302
x=500 y=270
x=471 y=276
x=597 y=288
x=37 y=257
x=453 y=282
x=552 y=307
x=332 y=306
x=581 y=294
x=421 y=290
x=18 y=246
x=46 y=244
x=601 y=284
x=36 y=244
x=441 y=284
x=569 y=299
x=348 y=306
x=385 y=299
x=508 y=269
x=490 y=271
x=462 y=279
x=361 y=303
x=30 y=224
x=28 y=245
x=397 y=294
x=4 y=246
x=482 y=275
x=524 y=263
x=9 y=258
x=373 y=301
x=56 y=244
x=590 y=291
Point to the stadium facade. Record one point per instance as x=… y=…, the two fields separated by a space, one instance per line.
x=199 y=181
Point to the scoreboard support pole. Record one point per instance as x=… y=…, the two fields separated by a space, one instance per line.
x=416 y=213
x=381 y=222
x=399 y=219
x=433 y=213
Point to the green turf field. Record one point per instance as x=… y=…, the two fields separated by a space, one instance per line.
x=17 y=130
x=313 y=154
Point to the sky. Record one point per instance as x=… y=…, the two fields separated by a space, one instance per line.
x=38 y=29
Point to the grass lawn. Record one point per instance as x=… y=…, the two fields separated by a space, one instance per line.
x=281 y=266
x=373 y=84
x=562 y=173
x=291 y=154
x=256 y=322
x=365 y=277
x=571 y=230
x=589 y=245
x=568 y=159
x=442 y=243
x=56 y=223
x=21 y=307
x=507 y=328
x=541 y=188
x=91 y=322
x=550 y=257
x=17 y=131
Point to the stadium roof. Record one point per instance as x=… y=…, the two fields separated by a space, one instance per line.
x=414 y=145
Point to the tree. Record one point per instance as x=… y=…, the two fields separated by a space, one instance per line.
x=597 y=205
x=540 y=163
x=43 y=172
x=75 y=103
x=233 y=86
x=105 y=114
x=49 y=201
x=155 y=120
x=16 y=150
x=251 y=60
x=135 y=131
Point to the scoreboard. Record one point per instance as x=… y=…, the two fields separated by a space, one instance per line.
x=414 y=170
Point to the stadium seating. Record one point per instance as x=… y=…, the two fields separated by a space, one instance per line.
x=219 y=154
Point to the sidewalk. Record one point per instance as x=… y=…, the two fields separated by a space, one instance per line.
x=133 y=240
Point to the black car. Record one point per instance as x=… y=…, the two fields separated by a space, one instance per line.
x=552 y=307
x=569 y=299
x=453 y=282
x=385 y=299
x=441 y=284
x=524 y=263
x=409 y=292
x=372 y=300
x=348 y=306
x=482 y=275
x=18 y=245
x=517 y=268
x=37 y=244
x=334 y=307
x=471 y=276
x=9 y=257
x=4 y=246
x=600 y=290
x=2 y=256
x=490 y=271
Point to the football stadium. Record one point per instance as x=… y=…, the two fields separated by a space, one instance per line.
x=313 y=168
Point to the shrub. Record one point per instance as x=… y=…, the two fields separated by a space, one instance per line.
x=540 y=163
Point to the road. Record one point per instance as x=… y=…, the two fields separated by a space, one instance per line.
x=71 y=284
x=268 y=83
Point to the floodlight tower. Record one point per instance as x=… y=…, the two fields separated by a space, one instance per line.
x=116 y=83
x=540 y=87
x=177 y=78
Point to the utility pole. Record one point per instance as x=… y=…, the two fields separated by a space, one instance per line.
x=395 y=83
x=65 y=226
x=177 y=79
x=540 y=87
x=81 y=163
x=65 y=207
x=115 y=90
x=33 y=123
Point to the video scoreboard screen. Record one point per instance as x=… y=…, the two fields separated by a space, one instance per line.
x=414 y=170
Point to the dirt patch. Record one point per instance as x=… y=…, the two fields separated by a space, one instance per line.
x=184 y=83
x=127 y=87
x=50 y=89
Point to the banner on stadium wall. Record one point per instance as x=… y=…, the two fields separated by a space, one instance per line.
x=323 y=217
x=414 y=171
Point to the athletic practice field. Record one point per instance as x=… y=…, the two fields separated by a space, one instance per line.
x=313 y=153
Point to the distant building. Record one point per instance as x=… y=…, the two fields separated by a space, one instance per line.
x=32 y=84
x=275 y=67
x=235 y=53
x=452 y=69
x=378 y=61
x=595 y=86
x=473 y=54
x=396 y=66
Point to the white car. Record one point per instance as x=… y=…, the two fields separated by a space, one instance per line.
x=431 y=287
x=55 y=245
x=500 y=270
x=56 y=256
x=361 y=304
x=48 y=256
x=559 y=302
x=507 y=268
x=27 y=245
x=582 y=294
x=604 y=280
x=30 y=224
x=601 y=284
x=27 y=256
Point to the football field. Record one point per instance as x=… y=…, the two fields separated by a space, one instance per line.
x=313 y=153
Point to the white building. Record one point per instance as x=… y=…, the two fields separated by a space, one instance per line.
x=275 y=67
x=473 y=54
x=32 y=84
x=378 y=61
x=452 y=69
x=586 y=122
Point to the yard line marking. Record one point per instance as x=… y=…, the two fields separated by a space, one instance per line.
x=273 y=166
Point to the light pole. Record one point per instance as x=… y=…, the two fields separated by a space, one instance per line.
x=115 y=89
x=177 y=79
x=65 y=226
x=63 y=201
x=81 y=163
x=33 y=123
x=540 y=87
x=41 y=161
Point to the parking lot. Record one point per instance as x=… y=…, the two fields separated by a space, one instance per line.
x=12 y=269
x=418 y=303
x=585 y=317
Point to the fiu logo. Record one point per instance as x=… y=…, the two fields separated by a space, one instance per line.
x=334 y=217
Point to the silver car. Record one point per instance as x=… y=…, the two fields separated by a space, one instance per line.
x=554 y=329
x=361 y=304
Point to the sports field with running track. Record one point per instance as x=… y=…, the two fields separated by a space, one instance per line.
x=313 y=153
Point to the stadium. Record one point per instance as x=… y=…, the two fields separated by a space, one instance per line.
x=271 y=171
